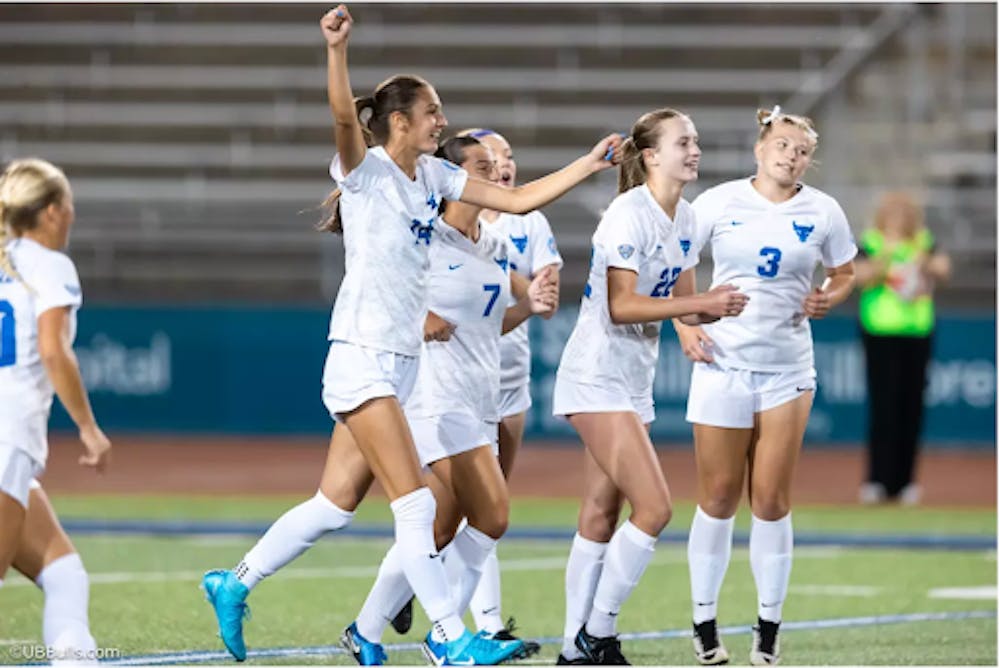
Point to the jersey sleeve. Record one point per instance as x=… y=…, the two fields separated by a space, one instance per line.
x=623 y=238
x=543 y=244
x=56 y=284
x=447 y=178
x=363 y=177
x=838 y=247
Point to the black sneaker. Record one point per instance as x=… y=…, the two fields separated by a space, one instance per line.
x=600 y=651
x=403 y=620
x=765 y=650
x=530 y=647
x=578 y=661
x=708 y=649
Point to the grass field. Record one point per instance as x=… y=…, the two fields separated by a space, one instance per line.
x=145 y=600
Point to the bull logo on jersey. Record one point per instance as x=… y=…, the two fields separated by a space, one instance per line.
x=552 y=246
x=685 y=245
x=521 y=243
x=803 y=231
x=626 y=250
x=422 y=231
x=502 y=263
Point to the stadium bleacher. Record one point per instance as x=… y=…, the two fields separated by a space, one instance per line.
x=197 y=135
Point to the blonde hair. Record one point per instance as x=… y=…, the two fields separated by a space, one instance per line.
x=27 y=186
x=645 y=134
x=768 y=118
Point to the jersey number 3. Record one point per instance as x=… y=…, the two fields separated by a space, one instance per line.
x=773 y=257
x=8 y=342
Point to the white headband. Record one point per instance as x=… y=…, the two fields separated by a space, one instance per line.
x=775 y=113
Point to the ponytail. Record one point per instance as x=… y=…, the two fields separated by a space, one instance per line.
x=6 y=266
x=331 y=220
x=631 y=171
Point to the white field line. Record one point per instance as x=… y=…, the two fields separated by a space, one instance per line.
x=984 y=593
x=663 y=558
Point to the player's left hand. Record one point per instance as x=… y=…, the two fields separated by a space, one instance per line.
x=817 y=304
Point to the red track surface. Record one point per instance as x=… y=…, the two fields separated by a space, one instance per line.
x=229 y=465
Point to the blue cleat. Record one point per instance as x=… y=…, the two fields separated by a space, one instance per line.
x=470 y=650
x=366 y=653
x=227 y=595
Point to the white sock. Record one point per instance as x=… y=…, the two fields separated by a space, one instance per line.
x=628 y=555
x=464 y=565
x=414 y=513
x=65 y=624
x=771 y=562
x=583 y=571
x=710 y=545
x=485 y=603
x=387 y=597
x=291 y=535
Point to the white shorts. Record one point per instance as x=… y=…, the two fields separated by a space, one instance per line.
x=442 y=436
x=570 y=397
x=731 y=397
x=515 y=401
x=17 y=473
x=354 y=374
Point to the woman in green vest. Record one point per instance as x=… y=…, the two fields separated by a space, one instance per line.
x=897 y=268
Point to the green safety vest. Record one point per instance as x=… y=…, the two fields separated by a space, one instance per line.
x=883 y=312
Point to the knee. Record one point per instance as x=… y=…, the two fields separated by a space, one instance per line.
x=770 y=505
x=597 y=523
x=492 y=521
x=720 y=497
x=652 y=518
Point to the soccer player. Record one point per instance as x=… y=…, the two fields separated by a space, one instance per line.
x=753 y=381
x=454 y=409
x=39 y=297
x=640 y=275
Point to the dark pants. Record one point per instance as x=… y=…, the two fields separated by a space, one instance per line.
x=897 y=375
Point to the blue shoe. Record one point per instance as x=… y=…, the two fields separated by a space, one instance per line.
x=227 y=595
x=470 y=650
x=365 y=653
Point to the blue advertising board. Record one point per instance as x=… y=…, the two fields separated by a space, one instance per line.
x=259 y=370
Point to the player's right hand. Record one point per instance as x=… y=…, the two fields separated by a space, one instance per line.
x=695 y=343
x=336 y=25
x=97 y=446
x=437 y=328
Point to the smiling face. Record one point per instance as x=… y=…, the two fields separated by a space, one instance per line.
x=676 y=155
x=784 y=154
x=422 y=124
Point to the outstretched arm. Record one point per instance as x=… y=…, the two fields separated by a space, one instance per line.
x=336 y=26
x=540 y=192
x=627 y=307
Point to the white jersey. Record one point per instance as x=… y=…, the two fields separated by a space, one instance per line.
x=531 y=247
x=769 y=251
x=388 y=224
x=25 y=389
x=634 y=233
x=469 y=286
